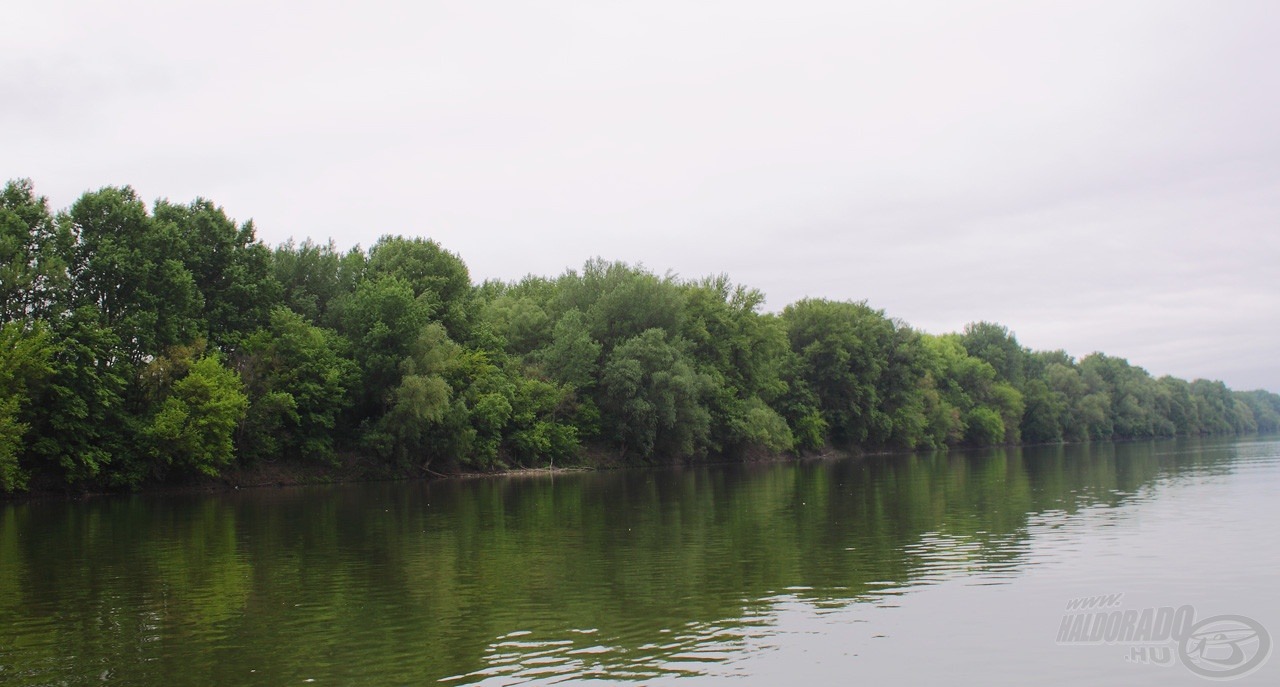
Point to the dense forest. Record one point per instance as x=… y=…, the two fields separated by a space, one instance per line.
x=142 y=345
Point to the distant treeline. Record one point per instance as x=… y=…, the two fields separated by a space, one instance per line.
x=142 y=345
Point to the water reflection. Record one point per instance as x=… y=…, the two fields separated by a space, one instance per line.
x=637 y=574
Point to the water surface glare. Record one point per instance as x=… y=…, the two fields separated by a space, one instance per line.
x=950 y=568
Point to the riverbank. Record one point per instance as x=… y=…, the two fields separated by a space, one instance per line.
x=354 y=468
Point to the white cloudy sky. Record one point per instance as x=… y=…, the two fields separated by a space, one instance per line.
x=1095 y=175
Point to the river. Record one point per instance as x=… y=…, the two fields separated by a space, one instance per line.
x=954 y=568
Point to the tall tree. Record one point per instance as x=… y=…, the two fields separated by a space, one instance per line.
x=995 y=345
x=82 y=428
x=193 y=426
x=25 y=362
x=128 y=267
x=434 y=274
x=33 y=251
x=653 y=398
x=230 y=268
x=845 y=350
x=298 y=384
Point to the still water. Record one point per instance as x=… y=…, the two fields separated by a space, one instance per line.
x=952 y=568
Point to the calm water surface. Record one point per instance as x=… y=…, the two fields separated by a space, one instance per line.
x=948 y=568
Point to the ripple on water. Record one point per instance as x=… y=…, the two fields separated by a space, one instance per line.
x=526 y=589
x=584 y=653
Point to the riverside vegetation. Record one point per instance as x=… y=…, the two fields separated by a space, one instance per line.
x=146 y=345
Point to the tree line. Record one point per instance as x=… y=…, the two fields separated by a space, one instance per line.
x=146 y=344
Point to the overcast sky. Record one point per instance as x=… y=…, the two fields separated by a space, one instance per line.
x=1094 y=175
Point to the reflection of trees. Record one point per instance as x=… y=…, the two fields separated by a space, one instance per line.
x=421 y=581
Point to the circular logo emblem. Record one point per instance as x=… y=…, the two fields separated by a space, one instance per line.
x=1225 y=647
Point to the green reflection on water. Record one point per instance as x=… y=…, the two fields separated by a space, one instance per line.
x=622 y=574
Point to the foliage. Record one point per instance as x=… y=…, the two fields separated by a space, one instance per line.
x=25 y=362
x=193 y=426
x=298 y=382
x=125 y=264
x=139 y=344
x=435 y=276
x=573 y=356
x=33 y=249
x=82 y=427
x=652 y=397
x=230 y=269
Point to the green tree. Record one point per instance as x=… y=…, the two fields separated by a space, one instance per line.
x=652 y=398
x=314 y=277
x=871 y=375
x=1135 y=398
x=521 y=322
x=33 y=252
x=1265 y=407
x=193 y=426
x=381 y=319
x=970 y=393
x=538 y=432
x=1042 y=420
x=25 y=362
x=1181 y=407
x=81 y=427
x=423 y=420
x=127 y=267
x=995 y=345
x=230 y=268
x=298 y=383
x=741 y=353
x=840 y=347
x=621 y=301
x=434 y=275
x=573 y=356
